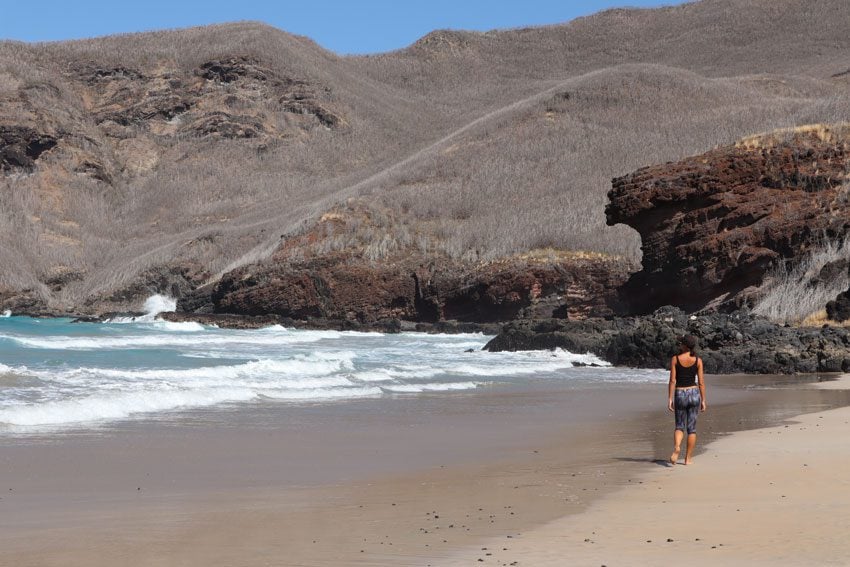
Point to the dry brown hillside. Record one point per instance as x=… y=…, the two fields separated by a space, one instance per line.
x=201 y=149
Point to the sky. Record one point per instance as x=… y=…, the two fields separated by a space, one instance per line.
x=343 y=26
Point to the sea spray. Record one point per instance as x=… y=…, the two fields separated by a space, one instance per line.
x=153 y=306
x=7 y=313
x=156 y=304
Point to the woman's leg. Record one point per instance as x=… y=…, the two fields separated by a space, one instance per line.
x=692 y=441
x=693 y=411
x=678 y=435
x=681 y=412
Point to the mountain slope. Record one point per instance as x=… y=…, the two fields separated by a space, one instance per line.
x=135 y=161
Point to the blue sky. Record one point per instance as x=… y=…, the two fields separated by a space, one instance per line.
x=343 y=26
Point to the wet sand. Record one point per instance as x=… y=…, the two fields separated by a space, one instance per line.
x=413 y=481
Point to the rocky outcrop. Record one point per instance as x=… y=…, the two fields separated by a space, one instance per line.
x=110 y=123
x=838 y=309
x=326 y=287
x=23 y=302
x=307 y=278
x=235 y=97
x=714 y=224
x=21 y=146
x=170 y=280
x=728 y=343
x=572 y=287
x=415 y=288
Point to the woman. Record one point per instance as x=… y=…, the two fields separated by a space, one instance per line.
x=686 y=396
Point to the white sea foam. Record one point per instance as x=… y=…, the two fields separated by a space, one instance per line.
x=434 y=387
x=114 y=372
x=166 y=340
x=388 y=374
x=175 y=326
x=322 y=393
x=113 y=406
x=6 y=314
x=121 y=393
x=109 y=406
x=630 y=375
x=256 y=373
x=153 y=306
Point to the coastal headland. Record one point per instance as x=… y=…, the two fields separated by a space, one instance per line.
x=756 y=282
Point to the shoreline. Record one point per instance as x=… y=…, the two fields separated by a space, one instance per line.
x=419 y=513
x=740 y=342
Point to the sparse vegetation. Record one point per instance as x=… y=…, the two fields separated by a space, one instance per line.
x=797 y=294
x=475 y=146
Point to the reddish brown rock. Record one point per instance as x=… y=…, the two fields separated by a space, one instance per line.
x=327 y=287
x=345 y=287
x=712 y=225
x=332 y=272
x=571 y=286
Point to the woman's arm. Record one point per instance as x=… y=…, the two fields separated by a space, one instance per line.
x=701 y=385
x=671 y=387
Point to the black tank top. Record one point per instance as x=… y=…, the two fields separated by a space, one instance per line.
x=686 y=376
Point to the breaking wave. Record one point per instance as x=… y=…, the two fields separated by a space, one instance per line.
x=58 y=374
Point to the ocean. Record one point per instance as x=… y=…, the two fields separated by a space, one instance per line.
x=58 y=374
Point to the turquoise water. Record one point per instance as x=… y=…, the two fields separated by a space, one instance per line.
x=55 y=373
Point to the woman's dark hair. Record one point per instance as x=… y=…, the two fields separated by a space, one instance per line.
x=690 y=341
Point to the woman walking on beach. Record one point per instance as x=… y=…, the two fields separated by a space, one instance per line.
x=686 y=396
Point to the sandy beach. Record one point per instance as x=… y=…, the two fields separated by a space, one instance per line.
x=771 y=496
x=539 y=476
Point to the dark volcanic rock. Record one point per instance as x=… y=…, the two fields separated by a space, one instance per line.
x=839 y=308
x=233 y=69
x=229 y=126
x=729 y=343
x=107 y=317
x=20 y=147
x=713 y=225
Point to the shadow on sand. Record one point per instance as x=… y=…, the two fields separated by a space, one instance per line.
x=659 y=462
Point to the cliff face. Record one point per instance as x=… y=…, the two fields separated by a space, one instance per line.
x=416 y=288
x=712 y=225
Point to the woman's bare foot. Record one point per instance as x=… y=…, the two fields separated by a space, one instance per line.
x=674 y=457
x=689 y=461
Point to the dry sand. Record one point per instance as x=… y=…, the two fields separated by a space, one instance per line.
x=528 y=475
x=772 y=496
